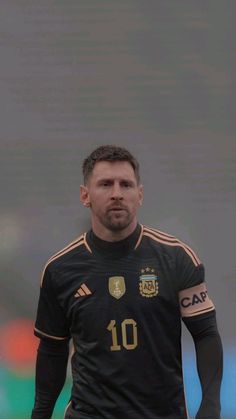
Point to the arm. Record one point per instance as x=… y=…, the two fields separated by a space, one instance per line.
x=51 y=369
x=209 y=354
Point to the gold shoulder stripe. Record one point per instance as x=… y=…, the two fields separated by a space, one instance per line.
x=174 y=243
x=71 y=246
x=86 y=243
x=76 y=241
x=168 y=236
x=50 y=336
x=140 y=237
x=174 y=239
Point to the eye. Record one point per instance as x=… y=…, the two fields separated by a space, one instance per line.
x=105 y=183
x=127 y=185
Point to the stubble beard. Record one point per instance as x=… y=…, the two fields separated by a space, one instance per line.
x=115 y=222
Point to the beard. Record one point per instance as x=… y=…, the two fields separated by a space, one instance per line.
x=116 y=220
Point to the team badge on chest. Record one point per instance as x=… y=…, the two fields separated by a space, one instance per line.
x=117 y=286
x=148 y=283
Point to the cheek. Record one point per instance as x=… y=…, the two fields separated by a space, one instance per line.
x=98 y=201
x=136 y=202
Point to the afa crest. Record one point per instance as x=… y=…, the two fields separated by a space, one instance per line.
x=148 y=283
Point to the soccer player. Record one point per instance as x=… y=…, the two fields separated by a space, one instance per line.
x=119 y=293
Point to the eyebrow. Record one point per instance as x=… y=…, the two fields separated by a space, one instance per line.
x=109 y=179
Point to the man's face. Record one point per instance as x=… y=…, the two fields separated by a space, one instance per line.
x=114 y=196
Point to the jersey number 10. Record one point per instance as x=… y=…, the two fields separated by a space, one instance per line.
x=112 y=327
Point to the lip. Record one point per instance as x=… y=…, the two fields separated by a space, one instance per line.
x=116 y=209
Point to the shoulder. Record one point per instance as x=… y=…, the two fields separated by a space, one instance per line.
x=170 y=244
x=77 y=246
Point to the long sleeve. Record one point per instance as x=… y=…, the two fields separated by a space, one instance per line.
x=209 y=355
x=51 y=366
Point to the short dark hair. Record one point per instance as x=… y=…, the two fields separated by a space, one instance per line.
x=109 y=153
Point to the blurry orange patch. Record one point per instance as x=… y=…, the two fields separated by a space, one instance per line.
x=18 y=346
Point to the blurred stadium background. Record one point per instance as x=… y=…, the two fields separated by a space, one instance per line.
x=157 y=77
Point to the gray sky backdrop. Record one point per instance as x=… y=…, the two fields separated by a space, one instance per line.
x=155 y=76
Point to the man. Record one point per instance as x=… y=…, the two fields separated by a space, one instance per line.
x=119 y=292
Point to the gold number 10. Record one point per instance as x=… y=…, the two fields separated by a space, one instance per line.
x=112 y=328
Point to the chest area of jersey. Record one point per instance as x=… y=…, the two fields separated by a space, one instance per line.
x=120 y=301
x=130 y=282
x=119 y=283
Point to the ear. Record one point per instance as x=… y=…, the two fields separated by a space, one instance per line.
x=84 y=196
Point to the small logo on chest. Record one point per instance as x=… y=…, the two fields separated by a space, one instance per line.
x=148 y=283
x=116 y=286
x=82 y=291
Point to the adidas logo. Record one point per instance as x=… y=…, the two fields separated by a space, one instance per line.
x=82 y=291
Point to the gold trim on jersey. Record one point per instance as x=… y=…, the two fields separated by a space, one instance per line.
x=86 y=243
x=50 y=336
x=76 y=243
x=171 y=241
x=140 y=237
x=137 y=244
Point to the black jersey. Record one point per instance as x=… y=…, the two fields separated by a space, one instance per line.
x=122 y=303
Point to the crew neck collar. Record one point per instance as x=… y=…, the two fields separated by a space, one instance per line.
x=117 y=248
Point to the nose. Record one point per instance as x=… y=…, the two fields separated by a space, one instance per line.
x=116 y=192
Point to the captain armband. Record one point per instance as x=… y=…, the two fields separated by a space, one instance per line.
x=195 y=300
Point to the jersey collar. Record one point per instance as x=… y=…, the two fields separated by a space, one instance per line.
x=114 y=249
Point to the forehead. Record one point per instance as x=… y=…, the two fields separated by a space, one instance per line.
x=113 y=170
